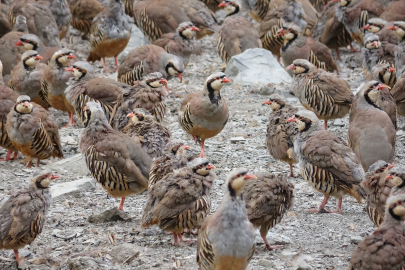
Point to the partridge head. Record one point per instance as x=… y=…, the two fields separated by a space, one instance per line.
x=289 y=31
x=397 y=176
x=63 y=57
x=231 y=7
x=81 y=70
x=275 y=102
x=399 y=29
x=374 y=25
x=42 y=179
x=156 y=80
x=31 y=59
x=300 y=66
x=396 y=207
x=23 y=105
x=305 y=120
x=30 y=42
x=371 y=42
x=173 y=66
x=201 y=166
x=139 y=114
x=187 y=30
x=236 y=181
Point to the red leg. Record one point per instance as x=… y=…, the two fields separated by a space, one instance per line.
x=325 y=124
x=116 y=64
x=105 y=66
x=278 y=59
x=7 y=158
x=338 y=54
x=339 y=207
x=71 y=120
x=291 y=171
x=121 y=206
x=14 y=155
x=176 y=240
x=185 y=240
x=268 y=246
x=29 y=164
x=353 y=49
x=202 y=153
x=17 y=258
x=38 y=162
x=321 y=208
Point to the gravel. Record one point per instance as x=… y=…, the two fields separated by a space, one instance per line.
x=312 y=241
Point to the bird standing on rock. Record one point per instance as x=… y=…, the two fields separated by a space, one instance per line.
x=204 y=114
x=115 y=160
x=227 y=238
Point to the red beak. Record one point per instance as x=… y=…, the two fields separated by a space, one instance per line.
x=367 y=26
x=268 y=102
x=223 y=4
x=250 y=176
x=186 y=147
x=210 y=166
x=180 y=77
x=225 y=80
x=54 y=176
x=290 y=67
x=38 y=57
x=382 y=86
x=164 y=81
x=390 y=166
x=375 y=43
x=69 y=69
x=130 y=115
x=19 y=43
x=26 y=104
x=391 y=69
x=291 y=119
x=392 y=27
x=388 y=177
x=71 y=56
x=280 y=32
x=195 y=29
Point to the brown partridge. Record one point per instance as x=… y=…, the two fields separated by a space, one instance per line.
x=173 y=157
x=85 y=87
x=384 y=73
x=32 y=42
x=227 y=238
x=110 y=33
x=40 y=20
x=295 y=46
x=237 y=34
x=54 y=81
x=326 y=161
x=181 y=43
x=152 y=135
x=385 y=248
x=280 y=134
x=148 y=94
x=33 y=131
x=397 y=177
x=115 y=160
x=148 y=59
x=61 y=13
x=399 y=30
x=26 y=77
x=398 y=93
x=381 y=28
x=8 y=98
x=267 y=201
x=23 y=215
x=203 y=114
x=377 y=189
x=371 y=133
x=5 y=25
x=212 y=4
x=181 y=200
x=326 y=94
x=394 y=11
x=83 y=12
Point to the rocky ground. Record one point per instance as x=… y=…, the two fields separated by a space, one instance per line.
x=70 y=241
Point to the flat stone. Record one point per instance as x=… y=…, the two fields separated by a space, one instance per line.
x=338 y=123
x=109 y=215
x=125 y=253
x=74 y=188
x=300 y=264
x=266 y=263
x=355 y=239
x=237 y=139
x=75 y=164
x=256 y=67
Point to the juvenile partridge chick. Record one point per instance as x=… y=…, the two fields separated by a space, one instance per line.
x=33 y=131
x=296 y=46
x=203 y=114
x=182 y=43
x=280 y=134
x=26 y=78
x=326 y=94
x=85 y=86
x=385 y=248
x=148 y=59
x=8 y=98
x=399 y=30
x=267 y=200
x=326 y=162
x=377 y=189
x=33 y=42
x=173 y=157
x=237 y=34
x=115 y=160
x=54 y=81
x=149 y=94
x=152 y=135
x=227 y=238
x=384 y=73
x=381 y=28
x=371 y=133
x=23 y=215
x=181 y=200
x=110 y=33
x=397 y=177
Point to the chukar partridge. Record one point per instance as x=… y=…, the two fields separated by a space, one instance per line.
x=384 y=73
x=23 y=215
x=115 y=160
x=148 y=94
x=181 y=200
x=399 y=30
x=110 y=33
x=377 y=189
x=394 y=11
x=212 y=4
x=33 y=42
x=371 y=133
x=5 y=25
x=203 y=114
x=152 y=135
x=53 y=84
x=267 y=201
x=295 y=46
x=237 y=34
x=8 y=98
x=227 y=238
x=26 y=78
x=280 y=134
x=385 y=248
x=148 y=59
x=33 y=131
x=83 y=12
x=381 y=28
x=397 y=177
x=182 y=43
x=61 y=12
x=398 y=93
x=326 y=94
x=85 y=86
x=173 y=157
x=326 y=161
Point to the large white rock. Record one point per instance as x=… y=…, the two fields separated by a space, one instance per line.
x=256 y=67
x=73 y=188
x=75 y=164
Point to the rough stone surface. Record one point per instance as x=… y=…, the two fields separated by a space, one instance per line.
x=74 y=188
x=256 y=67
x=83 y=263
x=75 y=164
x=125 y=253
x=112 y=214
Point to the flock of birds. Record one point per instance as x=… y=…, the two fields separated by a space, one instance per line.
x=128 y=149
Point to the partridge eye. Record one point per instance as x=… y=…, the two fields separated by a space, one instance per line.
x=300 y=118
x=289 y=29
